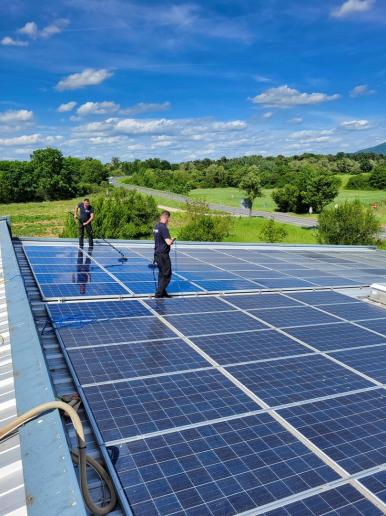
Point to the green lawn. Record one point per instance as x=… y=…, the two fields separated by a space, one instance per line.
x=232 y=197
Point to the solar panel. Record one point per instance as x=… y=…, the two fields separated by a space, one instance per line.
x=297 y=379
x=66 y=290
x=227 y=285
x=64 y=312
x=137 y=407
x=323 y=297
x=356 y=311
x=253 y=301
x=74 y=277
x=378 y=325
x=92 y=333
x=351 y=430
x=336 y=336
x=212 y=323
x=219 y=469
x=286 y=283
x=293 y=316
x=342 y=501
x=371 y=361
x=244 y=347
x=187 y=305
x=116 y=362
x=376 y=484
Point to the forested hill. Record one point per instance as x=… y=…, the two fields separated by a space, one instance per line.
x=377 y=149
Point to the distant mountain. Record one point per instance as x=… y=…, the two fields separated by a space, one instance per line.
x=377 y=149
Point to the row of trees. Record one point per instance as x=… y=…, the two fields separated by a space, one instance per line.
x=49 y=176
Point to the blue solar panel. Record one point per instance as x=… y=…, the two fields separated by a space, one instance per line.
x=336 y=282
x=244 y=347
x=336 y=336
x=221 y=469
x=342 y=501
x=356 y=311
x=376 y=484
x=371 y=361
x=252 y=301
x=262 y=274
x=64 y=312
x=175 y=287
x=297 y=379
x=378 y=325
x=127 y=409
x=293 y=316
x=324 y=297
x=53 y=291
x=116 y=362
x=50 y=269
x=349 y=429
x=226 y=285
x=74 y=277
x=129 y=277
x=286 y=283
x=205 y=275
x=211 y=323
x=91 y=333
x=187 y=305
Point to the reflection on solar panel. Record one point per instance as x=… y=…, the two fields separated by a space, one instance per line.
x=180 y=387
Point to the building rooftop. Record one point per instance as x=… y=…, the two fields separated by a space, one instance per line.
x=257 y=389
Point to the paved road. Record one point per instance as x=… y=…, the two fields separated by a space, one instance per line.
x=240 y=212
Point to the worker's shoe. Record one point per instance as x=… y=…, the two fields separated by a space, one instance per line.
x=167 y=295
x=158 y=295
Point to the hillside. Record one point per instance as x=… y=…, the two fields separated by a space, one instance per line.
x=377 y=149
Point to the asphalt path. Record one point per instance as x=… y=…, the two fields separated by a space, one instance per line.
x=239 y=212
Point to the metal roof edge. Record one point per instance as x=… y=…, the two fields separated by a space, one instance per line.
x=247 y=245
x=50 y=481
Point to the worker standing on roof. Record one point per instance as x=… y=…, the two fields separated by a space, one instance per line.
x=162 y=245
x=84 y=213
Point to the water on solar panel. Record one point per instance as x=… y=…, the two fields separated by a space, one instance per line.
x=64 y=312
x=66 y=290
x=228 y=285
x=297 y=379
x=74 y=277
x=188 y=305
x=220 y=469
x=351 y=429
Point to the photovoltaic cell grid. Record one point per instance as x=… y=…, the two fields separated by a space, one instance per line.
x=65 y=272
x=141 y=387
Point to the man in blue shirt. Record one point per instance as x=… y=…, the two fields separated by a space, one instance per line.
x=162 y=245
x=84 y=213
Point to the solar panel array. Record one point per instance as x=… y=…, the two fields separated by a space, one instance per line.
x=65 y=272
x=270 y=403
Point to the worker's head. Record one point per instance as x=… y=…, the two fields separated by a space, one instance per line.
x=165 y=216
x=86 y=202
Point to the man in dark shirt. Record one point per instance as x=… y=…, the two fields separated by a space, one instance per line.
x=84 y=213
x=162 y=245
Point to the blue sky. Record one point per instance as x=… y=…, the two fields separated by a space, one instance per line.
x=188 y=80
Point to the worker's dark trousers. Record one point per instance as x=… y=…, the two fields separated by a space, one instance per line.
x=164 y=271
x=88 y=229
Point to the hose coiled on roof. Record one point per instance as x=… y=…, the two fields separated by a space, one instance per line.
x=78 y=456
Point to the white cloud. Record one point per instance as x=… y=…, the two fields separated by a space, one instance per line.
x=88 y=77
x=350 y=7
x=31 y=30
x=262 y=78
x=144 y=107
x=297 y=120
x=356 y=125
x=69 y=106
x=20 y=140
x=11 y=116
x=361 y=89
x=233 y=125
x=97 y=108
x=267 y=114
x=286 y=97
x=133 y=126
x=10 y=42
x=311 y=136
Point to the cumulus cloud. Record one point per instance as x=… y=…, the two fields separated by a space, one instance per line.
x=314 y=136
x=146 y=107
x=69 y=106
x=16 y=116
x=133 y=126
x=97 y=108
x=285 y=97
x=267 y=114
x=356 y=125
x=350 y=7
x=27 y=139
x=88 y=77
x=262 y=78
x=361 y=89
x=10 y=42
x=31 y=29
x=297 y=120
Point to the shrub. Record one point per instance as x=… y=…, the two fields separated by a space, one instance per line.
x=349 y=223
x=273 y=232
x=119 y=213
x=359 y=182
x=378 y=177
x=203 y=227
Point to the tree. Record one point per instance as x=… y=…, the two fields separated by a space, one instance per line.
x=93 y=171
x=202 y=226
x=273 y=232
x=377 y=178
x=351 y=223
x=251 y=186
x=52 y=180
